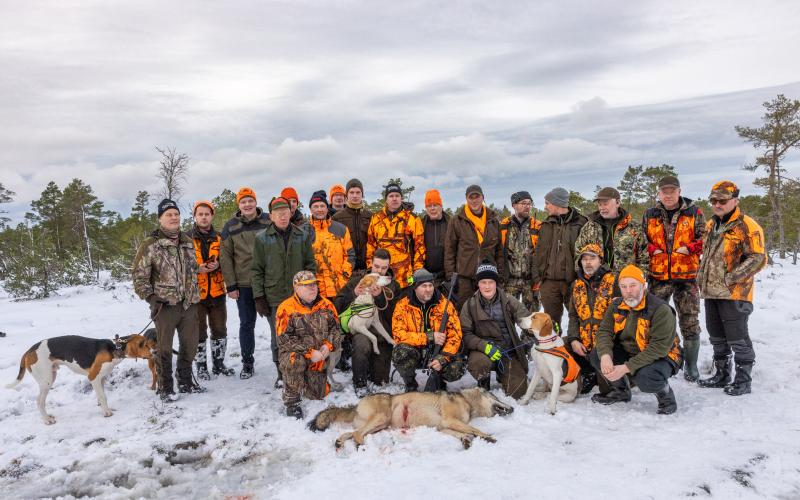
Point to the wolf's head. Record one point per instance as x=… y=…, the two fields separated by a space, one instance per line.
x=483 y=403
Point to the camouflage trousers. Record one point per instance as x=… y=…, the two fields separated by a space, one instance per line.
x=408 y=359
x=300 y=380
x=520 y=288
x=686 y=296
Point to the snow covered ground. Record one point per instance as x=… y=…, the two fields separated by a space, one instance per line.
x=235 y=440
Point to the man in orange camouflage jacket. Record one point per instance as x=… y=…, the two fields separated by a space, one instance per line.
x=308 y=331
x=733 y=254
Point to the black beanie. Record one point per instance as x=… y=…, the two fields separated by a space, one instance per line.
x=486 y=271
x=317 y=197
x=165 y=205
x=392 y=188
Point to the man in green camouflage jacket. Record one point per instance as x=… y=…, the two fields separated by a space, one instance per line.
x=165 y=275
x=622 y=239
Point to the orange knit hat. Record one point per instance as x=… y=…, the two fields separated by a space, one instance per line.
x=631 y=271
x=244 y=193
x=336 y=189
x=433 y=197
x=203 y=202
x=290 y=194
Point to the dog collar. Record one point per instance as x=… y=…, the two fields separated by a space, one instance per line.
x=547 y=340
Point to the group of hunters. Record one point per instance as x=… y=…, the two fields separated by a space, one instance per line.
x=613 y=274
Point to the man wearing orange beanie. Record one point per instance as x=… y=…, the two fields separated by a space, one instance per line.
x=235 y=258
x=294 y=201
x=637 y=338
x=337 y=196
x=434 y=227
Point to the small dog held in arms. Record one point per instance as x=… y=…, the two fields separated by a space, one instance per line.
x=552 y=364
x=94 y=358
x=365 y=315
x=448 y=412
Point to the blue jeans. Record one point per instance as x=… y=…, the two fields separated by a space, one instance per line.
x=247 y=324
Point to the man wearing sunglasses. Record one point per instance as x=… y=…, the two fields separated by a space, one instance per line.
x=733 y=252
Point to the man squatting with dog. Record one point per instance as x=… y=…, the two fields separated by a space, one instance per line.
x=631 y=336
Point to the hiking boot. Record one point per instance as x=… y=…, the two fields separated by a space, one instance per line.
x=362 y=391
x=190 y=386
x=279 y=381
x=247 y=371
x=741 y=382
x=412 y=386
x=168 y=396
x=588 y=381
x=667 y=405
x=620 y=393
x=722 y=375
x=294 y=411
x=202 y=371
x=218 y=348
x=485 y=382
x=691 y=349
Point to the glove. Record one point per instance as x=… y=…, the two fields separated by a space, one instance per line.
x=262 y=307
x=492 y=351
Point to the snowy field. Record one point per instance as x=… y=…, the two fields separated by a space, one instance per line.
x=234 y=440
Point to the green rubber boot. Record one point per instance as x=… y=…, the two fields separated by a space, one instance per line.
x=691 y=349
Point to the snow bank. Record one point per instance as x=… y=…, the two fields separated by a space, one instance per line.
x=235 y=440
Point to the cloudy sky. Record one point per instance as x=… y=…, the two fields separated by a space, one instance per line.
x=510 y=95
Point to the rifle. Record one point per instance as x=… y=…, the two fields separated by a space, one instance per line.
x=434 y=382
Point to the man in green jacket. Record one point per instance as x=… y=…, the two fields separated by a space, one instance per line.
x=637 y=337
x=235 y=259
x=279 y=252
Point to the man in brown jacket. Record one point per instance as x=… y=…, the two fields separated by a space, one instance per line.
x=554 y=260
x=356 y=216
x=473 y=235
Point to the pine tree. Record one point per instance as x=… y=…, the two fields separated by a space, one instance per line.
x=6 y=196
x=225 y=207
x=779 y=133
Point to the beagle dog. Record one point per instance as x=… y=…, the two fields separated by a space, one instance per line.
x=552 y=363
x=94 y=358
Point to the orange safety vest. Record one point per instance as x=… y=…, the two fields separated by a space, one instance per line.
x=570 y=367
x=621 y=311
x=403 y=237
x=210 y=284
x=669 y=264
x=592 y=314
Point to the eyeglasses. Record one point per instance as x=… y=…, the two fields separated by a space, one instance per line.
x=719 y=202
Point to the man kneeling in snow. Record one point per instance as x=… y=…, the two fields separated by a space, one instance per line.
x=308 y=331
x=637 y=337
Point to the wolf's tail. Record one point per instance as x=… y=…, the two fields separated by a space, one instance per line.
x=21 y=369
x=332 y=415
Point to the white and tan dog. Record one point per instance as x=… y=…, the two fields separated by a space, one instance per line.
x=553 y=364
x=365 y=316
x=94 y=358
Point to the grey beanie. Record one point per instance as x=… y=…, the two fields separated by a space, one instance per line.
x=421 y=276
x=558 y=197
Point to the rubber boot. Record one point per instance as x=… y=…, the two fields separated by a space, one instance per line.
x=722 y=374
x=691 y=349
x=218 y=348
x=667 y=405
x=485 y=382
x=411 y=385
x=741 y=382
x=620 y=393
x=202 y=371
